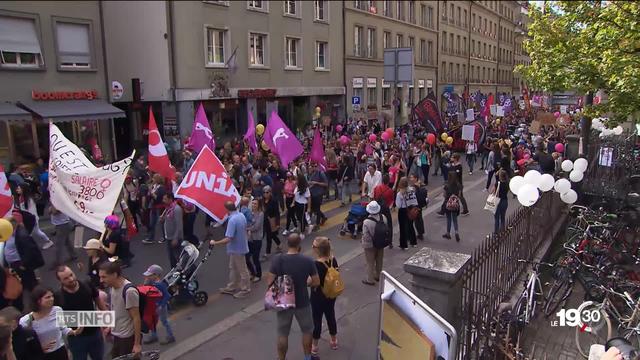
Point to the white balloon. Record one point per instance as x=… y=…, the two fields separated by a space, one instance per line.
x=516 y=183
x=532 y=177
x=618 y=130
x=576 y=175
x=567 y=165
x=546 y=182
x=562 y=186
x=569 y=197
x=528 y=195
x=581 y=164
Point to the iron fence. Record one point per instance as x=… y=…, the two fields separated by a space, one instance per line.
x=494 y=269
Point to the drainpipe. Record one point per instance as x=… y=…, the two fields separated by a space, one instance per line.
x=437 y=79
x=344 y=60
x=498 y=53
x=172 y=61
x=106 y=75
x=468 y=79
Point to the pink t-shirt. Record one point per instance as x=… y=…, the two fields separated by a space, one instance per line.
x=289 y=187
x=393 y=172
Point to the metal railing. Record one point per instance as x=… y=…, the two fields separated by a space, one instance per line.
x=494 y=269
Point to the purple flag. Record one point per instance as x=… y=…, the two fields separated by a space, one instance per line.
x=201 y=133
x=317 y=150
x=250 y=136
x=281 y=140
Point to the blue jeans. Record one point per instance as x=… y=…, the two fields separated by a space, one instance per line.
x=346 y=191
x=500 y=215
x=452 y=217
x=154 y=216
x=84 y=346
x=163 y=316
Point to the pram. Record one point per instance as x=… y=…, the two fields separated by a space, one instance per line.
x=181 y=280
x=353 y=222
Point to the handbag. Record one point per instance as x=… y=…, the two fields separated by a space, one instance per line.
x=493 y=200
x=281 y=292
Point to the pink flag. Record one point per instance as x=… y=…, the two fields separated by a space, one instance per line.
x=317 y=150
x=250 y=136
x=281 y=140
x=201 y=133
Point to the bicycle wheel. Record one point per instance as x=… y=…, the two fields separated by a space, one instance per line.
x=559 y=291
x=520 y=316
x=595 y=332
x=633 y=335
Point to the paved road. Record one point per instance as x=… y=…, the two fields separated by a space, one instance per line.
x=194 y=326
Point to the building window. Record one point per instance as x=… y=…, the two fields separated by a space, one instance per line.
x=458 y=45
x=322 y=52
x=399 y=40
x=412 y=43
x=357 y=41
x=464 y=19
x=321 y=10
x=74 y=46
x=412 y=11
x=444 y=70
x=257 y=49
x=451 y=42
x=444 y=12
x=372 y=94
x=19 y=44
x=216 y=39
x=430 y=17
x=423 y=15
x=358 y=92
x=386 y=8
x=420 y=94
x=452 y=14
x=258 y=5
x=444 y=41
x=362 y=5
x=430 y=52
x=371 y=43
x=459 y=21
x=386 y=96
x=292 y=53
x=450 y=71
x=386 y=40
x=423 y=51
x=457 y=72
x=464 y=73
x=400 y=9
x=291 y=8
x=411 y=93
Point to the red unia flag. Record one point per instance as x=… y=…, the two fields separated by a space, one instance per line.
x=6 y=200
x=208 y=186
x=158 y=157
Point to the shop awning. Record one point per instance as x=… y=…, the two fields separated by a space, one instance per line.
x=10 y=112
x=73 y=110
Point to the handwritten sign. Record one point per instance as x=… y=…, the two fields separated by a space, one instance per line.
x=468 y=132
x=82 y=191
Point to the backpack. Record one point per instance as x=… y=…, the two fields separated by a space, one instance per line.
x=333 y=285
x=148 y=296
x=381 y=236
x=422 y=196
x=453 y=204
x=12 y=285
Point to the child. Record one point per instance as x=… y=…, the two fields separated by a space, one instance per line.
x=153 y=276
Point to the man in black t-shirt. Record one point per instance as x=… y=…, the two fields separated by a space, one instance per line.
x=81 y=296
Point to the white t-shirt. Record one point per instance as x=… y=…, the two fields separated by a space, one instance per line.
x=46 y=329
x=301 y=199
x=372 y=181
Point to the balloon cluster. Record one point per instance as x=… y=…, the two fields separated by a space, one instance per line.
x=599 y=125
x=339 y=128
x=385 y=136
x=446 y=138
x=526 y=187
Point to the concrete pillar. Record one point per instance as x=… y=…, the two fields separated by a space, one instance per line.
x=435 y=280
x=186 y=115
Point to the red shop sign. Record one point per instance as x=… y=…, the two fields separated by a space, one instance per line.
x=257 y=93
x=64 y=95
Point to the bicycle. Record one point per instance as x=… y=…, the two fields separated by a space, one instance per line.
x=145 y=355
x=597 y=326
x=525 y=307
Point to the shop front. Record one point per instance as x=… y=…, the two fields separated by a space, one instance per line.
x=81 y=116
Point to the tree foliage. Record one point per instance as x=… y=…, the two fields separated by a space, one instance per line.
x=587 y=46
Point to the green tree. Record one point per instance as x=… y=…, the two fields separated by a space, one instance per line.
x=587 y=46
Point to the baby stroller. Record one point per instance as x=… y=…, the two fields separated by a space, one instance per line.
x=355 y=218
x=181 y=280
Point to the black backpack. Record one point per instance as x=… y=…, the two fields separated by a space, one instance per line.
x=381 y=236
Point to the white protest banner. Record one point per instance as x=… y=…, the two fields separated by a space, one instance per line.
x=468 y=132
x=563 y=109
x=470 y=115
x=85 y=193
x=493 y=109
x=500 y=111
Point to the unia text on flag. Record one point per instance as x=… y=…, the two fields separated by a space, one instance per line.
x=250 y=136
x=85 y=193
x=201 y=133
x=158 y=158
x=208 y=186
x=281 y=140
x=6 y=198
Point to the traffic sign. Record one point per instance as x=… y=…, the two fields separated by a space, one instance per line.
x=355 y=100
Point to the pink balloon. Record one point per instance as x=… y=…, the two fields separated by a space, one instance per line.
x=556 y=114
x=338 y=128
x=344 y=140
x=559 y=147
x=431 y=139
x=373 y=137
x=385 y=136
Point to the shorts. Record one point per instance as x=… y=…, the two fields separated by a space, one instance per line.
x=303 y=317
x=122 y=346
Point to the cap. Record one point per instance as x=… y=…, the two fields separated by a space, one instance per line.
x=93 y=244
x=373 y=208
x=266 y=188
x=154 y=270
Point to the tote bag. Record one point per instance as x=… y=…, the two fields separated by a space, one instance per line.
x=493 y=200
